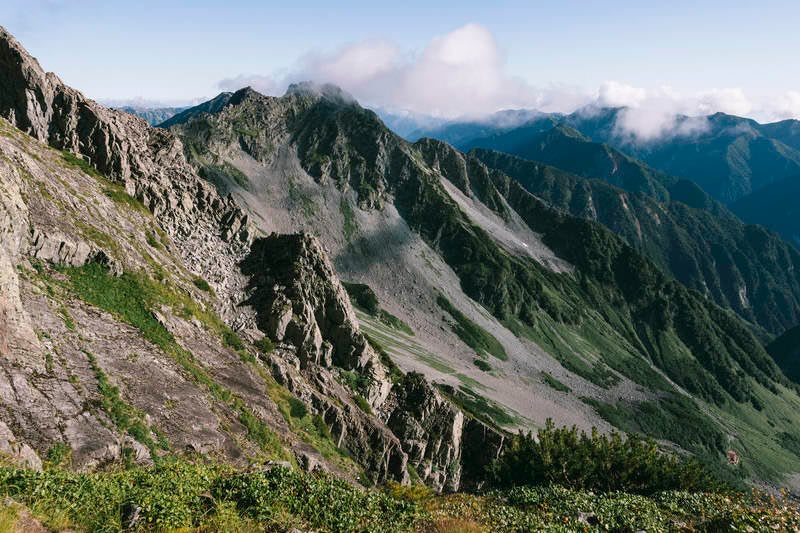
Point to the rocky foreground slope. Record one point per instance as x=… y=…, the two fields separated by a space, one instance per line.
x=135 y=303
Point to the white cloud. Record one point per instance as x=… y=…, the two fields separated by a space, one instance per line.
x=616 y=94
x=784 y=106
x=261 y=83
x=463 y=74
x=651 y=114
x=458 y=73
x=731 y=101
x=353 y=66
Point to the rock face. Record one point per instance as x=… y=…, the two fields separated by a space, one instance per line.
x=186 y=255
x=148 y=161
x=300 y=301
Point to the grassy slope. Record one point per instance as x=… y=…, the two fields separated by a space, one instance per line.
x=157 y=284
x=711 y=252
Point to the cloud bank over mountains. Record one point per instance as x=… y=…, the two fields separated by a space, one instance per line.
x=463 y=73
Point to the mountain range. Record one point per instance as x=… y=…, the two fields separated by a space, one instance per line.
x=153 y=115
x=286 y=278
x=731 y=158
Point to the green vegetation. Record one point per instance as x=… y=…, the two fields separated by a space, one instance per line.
x=80 y=163
x=554 y=383
x=596 y=462
x=221 y=175
x=181 y=495
x=355 y=380
x=297 y=409
x=483 y=365
x=265 y=345
x=65 y=316
x=58 y=455
x=688 y=237
x=118 y=195
x=202 y=284
x=364 y=298
x=301 y=199
x=362 y=403
x=394 y=372
x=556 y=508
x=231 y=339
x=471 y=333
x=125 y=417
x=131 y=298
x=152 y=241
x=246 y=132
x=786 y=352
x=478 y=406
x=310 y=428
x=350 y=227
x=393 y=322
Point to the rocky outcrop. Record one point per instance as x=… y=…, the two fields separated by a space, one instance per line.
x=148 y=161
x=63 y=250
x=449 y=450
x=369 y=442
x=300 y=301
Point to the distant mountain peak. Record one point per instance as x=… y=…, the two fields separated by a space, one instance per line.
x=243 y=94
x=326 y=91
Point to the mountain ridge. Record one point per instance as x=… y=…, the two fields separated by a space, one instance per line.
x=357 y=170
x=738 y=155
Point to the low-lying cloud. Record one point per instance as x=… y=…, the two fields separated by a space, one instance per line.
x=463 y=73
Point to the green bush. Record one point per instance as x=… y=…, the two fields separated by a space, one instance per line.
x=326 y=503
x=202 y=284
x=265 y=345
x=59 y=454
x=297 y=409
x=362 y=296
x=483 y=365
x=362 y=404
x=596 y=462
x=152 y=241
x=231 y=339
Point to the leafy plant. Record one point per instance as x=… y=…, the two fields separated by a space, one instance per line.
x=554 y=383
x=265 y=345
x=362 y=404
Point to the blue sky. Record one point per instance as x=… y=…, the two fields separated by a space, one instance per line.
x=685 y=56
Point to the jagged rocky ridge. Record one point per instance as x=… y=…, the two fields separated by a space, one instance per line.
x=183 y=375
x=583 y=287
